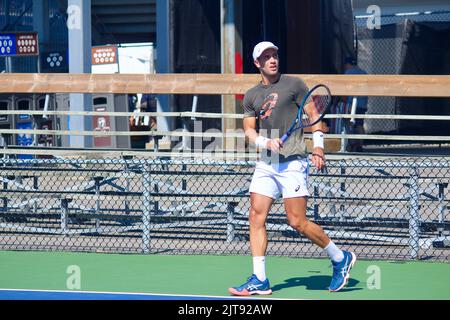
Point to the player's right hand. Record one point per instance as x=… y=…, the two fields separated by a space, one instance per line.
x=275 y=144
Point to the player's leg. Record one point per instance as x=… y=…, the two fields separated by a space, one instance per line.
x=259 y=209
x=342 y=261
x=295 y=193
x=296 y=215
x=263 y=191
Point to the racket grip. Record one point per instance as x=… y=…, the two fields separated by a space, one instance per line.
x=284 y=137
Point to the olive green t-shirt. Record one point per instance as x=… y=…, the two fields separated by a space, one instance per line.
x=278 y=101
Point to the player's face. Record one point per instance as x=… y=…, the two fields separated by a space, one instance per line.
x=268 y=62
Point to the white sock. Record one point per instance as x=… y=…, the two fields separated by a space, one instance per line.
x=259 y=267
x=334 y=252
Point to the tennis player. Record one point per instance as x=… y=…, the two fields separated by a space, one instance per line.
x=269 y=109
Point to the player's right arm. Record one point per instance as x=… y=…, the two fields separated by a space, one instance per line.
x=259 y=141
x=250 y=128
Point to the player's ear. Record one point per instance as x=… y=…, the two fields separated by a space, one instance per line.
x=257 y=64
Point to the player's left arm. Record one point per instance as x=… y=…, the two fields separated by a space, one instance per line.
x=318 y=153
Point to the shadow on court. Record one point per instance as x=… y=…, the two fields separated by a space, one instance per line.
x=314 y=283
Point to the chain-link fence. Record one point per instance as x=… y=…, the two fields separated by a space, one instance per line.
x=415 y=43
x=381 y=209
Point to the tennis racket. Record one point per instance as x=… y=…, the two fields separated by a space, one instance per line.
x=311 y=110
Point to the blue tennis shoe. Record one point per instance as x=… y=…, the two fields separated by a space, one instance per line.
x=251 y=287
x=341 y=271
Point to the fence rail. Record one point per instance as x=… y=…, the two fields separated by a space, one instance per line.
x=215 y=115
x=231 y=133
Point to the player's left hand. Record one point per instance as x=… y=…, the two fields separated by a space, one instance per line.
x=318 y=158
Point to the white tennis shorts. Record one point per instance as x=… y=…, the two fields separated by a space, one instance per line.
x=288 y=178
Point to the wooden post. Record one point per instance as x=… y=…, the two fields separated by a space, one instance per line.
x=228 y=66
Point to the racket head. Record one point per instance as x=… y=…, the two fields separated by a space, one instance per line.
x=314 y=106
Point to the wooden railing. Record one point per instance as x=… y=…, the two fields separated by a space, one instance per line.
x=340 y=85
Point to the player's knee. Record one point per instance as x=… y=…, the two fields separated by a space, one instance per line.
x=256 y=217
x=299 y=224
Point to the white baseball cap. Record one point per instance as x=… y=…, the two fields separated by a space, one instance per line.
x=260 y=47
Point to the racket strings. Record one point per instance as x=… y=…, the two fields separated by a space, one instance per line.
x=315 y=106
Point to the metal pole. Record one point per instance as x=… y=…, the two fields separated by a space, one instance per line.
x=332 y=206
x=35 y=186
x=442 y=207
x=414 y=216
x=344 y=141
x=64 y=216
x=316 y=205
x=230 y=220
x=79 y=35
x=5 y=199
x=8 y=63
x=146 y=201
x=97 y=202
x=184 y=188
x=127 y=188
x=343 y=189
x=165 y=39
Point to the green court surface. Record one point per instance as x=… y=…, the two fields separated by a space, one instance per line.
x=206 y=275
